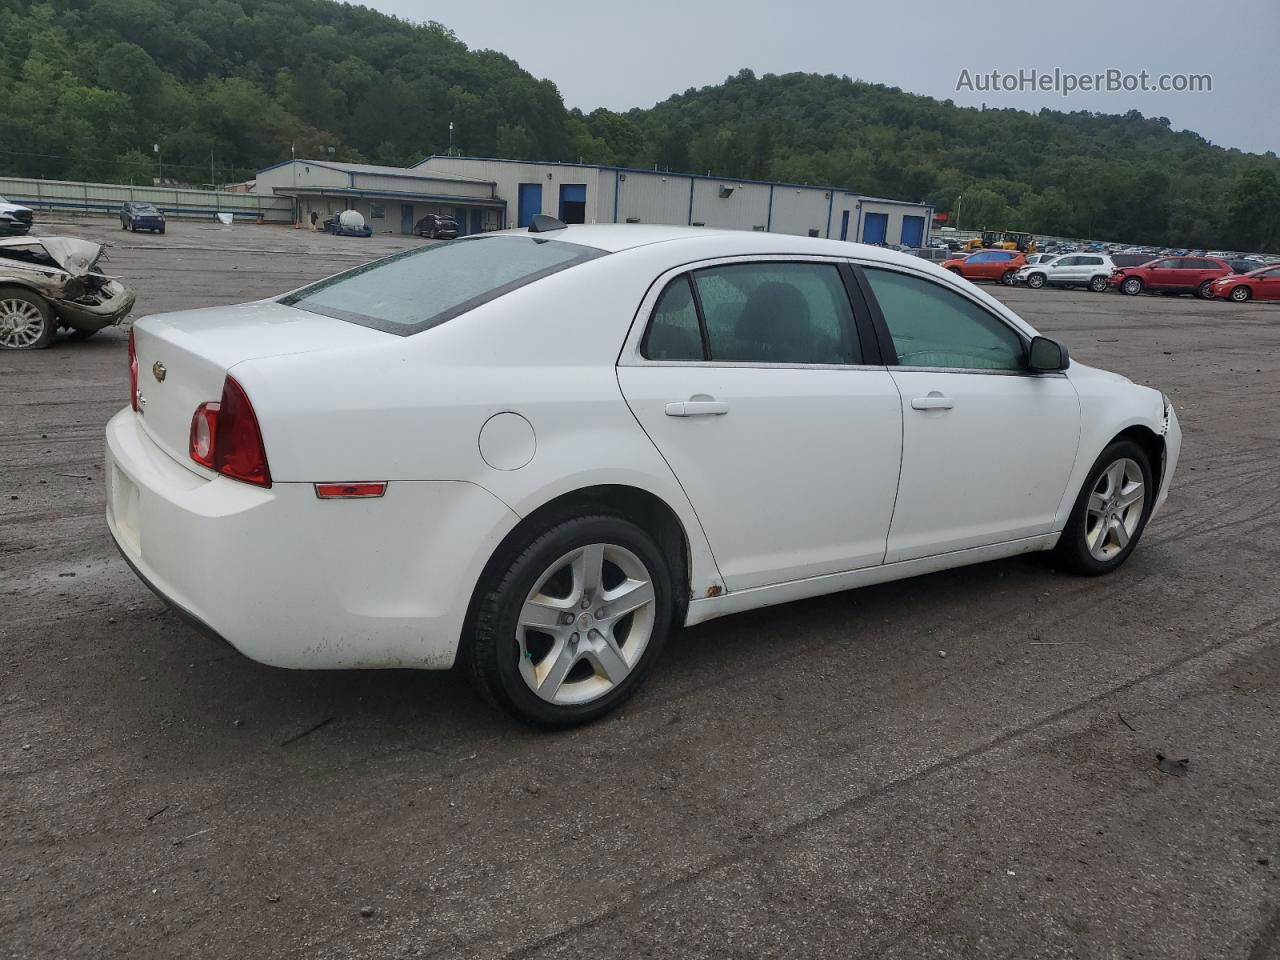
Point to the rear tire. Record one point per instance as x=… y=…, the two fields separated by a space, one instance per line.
x=1205 y=291
x=545 y=671
x=1098 y=284
x=1110 y=512
x=1009 y=278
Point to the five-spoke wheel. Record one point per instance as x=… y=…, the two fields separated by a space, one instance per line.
x=1111 y=511
x=567 y=621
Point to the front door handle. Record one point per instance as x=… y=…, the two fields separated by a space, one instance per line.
x=697 y=408
x=934 y=401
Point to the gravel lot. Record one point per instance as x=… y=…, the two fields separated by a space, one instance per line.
x=812 y=780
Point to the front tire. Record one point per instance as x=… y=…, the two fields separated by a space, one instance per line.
x=1240 y=295
x=1035 y=281
x=1132 y=286
x=568 y=625
x=26 y=322
x=1110 y=512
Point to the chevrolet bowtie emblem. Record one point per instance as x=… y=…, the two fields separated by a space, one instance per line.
x=158 y=371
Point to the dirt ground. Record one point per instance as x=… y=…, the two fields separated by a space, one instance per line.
x=812 y=780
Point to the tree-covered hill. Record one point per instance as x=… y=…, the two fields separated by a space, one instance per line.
x=88 y=86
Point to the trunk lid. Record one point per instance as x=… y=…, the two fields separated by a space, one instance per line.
x=183 y=358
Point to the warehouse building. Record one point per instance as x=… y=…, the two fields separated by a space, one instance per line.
x=486 y=194
x=391 y=199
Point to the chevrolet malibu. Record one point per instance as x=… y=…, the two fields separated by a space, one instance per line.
x=535 y=454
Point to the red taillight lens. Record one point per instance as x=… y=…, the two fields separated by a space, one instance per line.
x=237 y=444
x=133 y=372
x=225 y=437
x=204 y=430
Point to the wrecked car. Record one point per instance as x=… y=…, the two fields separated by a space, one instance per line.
x=14 y=219
x=51 y=282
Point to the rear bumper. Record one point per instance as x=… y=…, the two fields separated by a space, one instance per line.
x=293 y=581
x=108 y=312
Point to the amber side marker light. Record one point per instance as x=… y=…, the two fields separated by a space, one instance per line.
x=349 y=491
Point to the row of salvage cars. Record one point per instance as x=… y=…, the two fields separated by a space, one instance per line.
x=47 y=283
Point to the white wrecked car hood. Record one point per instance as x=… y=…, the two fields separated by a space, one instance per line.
x=77 y=257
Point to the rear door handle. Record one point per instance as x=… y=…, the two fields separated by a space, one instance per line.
x=934 y=401
x=697 y=408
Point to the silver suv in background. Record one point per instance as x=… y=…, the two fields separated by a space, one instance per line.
x=1092 y=270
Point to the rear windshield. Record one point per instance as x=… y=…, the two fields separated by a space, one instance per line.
x=424 y=287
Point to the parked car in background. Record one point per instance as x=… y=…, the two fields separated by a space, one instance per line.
x=1260 y=284
x=136 y=216
x=1172 y=275
x=998 y=266
x=605 y=408
x=932 y=254
x=1092 y=270
x=1244 y=265
x=1040 y=258
x=52 y=282
x=435 y=226
x=15 y=220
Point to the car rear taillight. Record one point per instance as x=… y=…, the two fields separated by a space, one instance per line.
x=133 y=373
x=225 y=437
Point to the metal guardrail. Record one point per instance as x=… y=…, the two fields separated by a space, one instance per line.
x=177 y=203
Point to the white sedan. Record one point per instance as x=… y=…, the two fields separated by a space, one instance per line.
x=535 y=453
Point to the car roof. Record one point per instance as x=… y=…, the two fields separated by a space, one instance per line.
x=707 y=242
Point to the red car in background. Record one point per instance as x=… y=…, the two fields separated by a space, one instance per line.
x=995 y=265
x=1173 y=275
x=1262 y=284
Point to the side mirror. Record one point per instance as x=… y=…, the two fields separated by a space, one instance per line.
x=1047 y=356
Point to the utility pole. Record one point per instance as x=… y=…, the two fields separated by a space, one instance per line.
x=160 y=158
x=451 y=138
x=213 y=184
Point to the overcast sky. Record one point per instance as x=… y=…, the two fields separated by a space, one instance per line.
x=636 y=54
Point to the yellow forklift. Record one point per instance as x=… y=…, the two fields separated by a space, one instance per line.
x=1002 y=240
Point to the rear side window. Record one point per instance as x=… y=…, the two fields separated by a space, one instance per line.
x=425 y=287
x=755 y=313
x=673 y=332
x=777 y=313
x=933 y=327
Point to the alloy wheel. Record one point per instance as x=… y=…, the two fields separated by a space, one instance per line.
x=1098 y=284
x=1240 y=294
x=1132 y=286
x=21 y=324
x=1115 y=509
x=585 y=624
x=1035 y=281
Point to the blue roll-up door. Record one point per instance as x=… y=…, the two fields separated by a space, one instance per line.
x=477 y=220
x=530 y=203
x=912 y=231
x=460 y=218
x=875 y=227
x=573 y=203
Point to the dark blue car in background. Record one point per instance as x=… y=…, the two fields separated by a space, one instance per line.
x=141 y=216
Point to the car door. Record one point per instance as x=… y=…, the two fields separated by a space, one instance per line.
x=1064 y=269
x=1267 y=285
x=987 y=447
x=771 y=405
x=1166 y=274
